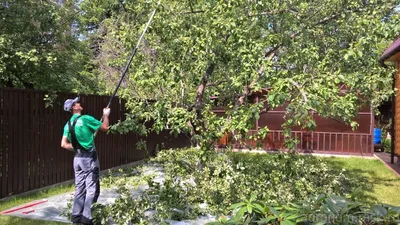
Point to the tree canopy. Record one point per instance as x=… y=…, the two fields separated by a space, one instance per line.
x=307 y=53
x=40 y=47
x=318 y=56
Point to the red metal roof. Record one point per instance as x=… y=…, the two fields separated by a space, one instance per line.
x=393 y=49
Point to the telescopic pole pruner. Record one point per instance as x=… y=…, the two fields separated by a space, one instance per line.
x=130 y=60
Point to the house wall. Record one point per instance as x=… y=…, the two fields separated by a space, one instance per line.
x=397 y=111
x=329 y=136
x=273 y=119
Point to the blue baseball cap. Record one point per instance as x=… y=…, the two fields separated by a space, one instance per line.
x=69 y=103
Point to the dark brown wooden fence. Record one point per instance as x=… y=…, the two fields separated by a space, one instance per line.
x=30 y=139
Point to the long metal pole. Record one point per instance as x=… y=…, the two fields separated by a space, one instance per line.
x=130 y=60
x=133 y=54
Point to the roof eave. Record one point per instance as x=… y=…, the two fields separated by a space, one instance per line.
x=393 y=49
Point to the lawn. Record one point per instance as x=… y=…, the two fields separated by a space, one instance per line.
x=384 y=183
x=4 y=205
x=380 y=185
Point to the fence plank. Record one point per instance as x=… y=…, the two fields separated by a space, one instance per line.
x=48 y=150
x=26 y=140
x=115 y=149
x=58 y=132
x=106 y=145
x=2 y=144
x=348 y=142
x=44 y=134
x=37 y=141
x=61 y=123
x=43 y=147
x=14 y=168
x=54 y=148
x=342 y=142
x=9 y=142
x=14 y=144
x=40 y=143
x=5 y=144
x=20 y=137
x=336 y=142
x=32 y=149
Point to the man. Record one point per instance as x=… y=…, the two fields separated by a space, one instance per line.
x=79 y=137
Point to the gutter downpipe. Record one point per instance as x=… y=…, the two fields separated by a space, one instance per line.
x=393 y=136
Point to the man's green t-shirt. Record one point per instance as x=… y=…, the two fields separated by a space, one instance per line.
x=84 y=129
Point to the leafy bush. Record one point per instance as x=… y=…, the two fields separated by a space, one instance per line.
x=387 y=144
x=322 y=209
x=283 y=177
x=193 y=187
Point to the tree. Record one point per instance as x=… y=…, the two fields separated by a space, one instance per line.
x=305 y=52
x=40 y=47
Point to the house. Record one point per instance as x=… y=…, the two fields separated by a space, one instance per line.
x=392 y=54
x=330 y=135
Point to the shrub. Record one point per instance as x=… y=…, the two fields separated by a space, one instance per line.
x=387 y=145
x=194 y=187
x=321 y=209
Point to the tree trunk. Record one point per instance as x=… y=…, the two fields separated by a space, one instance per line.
x=198 y=105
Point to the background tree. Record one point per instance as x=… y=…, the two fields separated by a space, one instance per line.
x=41 y=48
x=306 y=52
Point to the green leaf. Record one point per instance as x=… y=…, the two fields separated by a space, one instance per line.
x=249 y=209
x=260 y=208
x=287 y=222
x=237 y=205
x=240 y=213
x=272 y=209
x=293 y=216
x=379 y=210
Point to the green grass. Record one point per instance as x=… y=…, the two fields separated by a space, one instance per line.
x=383 y=183
x=9 y=203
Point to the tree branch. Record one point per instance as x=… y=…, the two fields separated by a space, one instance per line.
x=272 y=13
x=216 y=83
x=300 y=90
x=272 y=52
x=199 y=99
x=306 y=100
x=122 y=4
x=193 y=12
x=202 y=86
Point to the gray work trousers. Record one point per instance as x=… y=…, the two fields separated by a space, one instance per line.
x=87 y=186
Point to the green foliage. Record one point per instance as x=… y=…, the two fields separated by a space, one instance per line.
x=387 y=144
x=307 y=53
x=290 y=177
x=125 y=210
x=40 y=47
x=122 y=177
x=321 y=209
x=192 y=187
x=67 y=212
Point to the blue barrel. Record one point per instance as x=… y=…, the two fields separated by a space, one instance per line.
x=377 y=136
